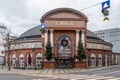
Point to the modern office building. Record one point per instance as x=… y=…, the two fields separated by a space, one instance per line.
x=2 y=32
x=65 y=27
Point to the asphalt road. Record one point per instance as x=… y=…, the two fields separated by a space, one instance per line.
x=16 y=77
x=25 y=77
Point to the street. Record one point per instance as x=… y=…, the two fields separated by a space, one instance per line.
x=24 y=77
x=15 y=77
x=111 y=73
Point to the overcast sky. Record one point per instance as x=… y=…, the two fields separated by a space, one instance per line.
x=21 y=15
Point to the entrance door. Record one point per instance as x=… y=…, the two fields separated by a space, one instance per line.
x=64 y=52
x=64 y=62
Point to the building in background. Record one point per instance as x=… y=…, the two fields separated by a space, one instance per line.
x=112 y=36
x=2 y=32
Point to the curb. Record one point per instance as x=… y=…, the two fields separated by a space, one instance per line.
x=42 y=71
x=100 y=68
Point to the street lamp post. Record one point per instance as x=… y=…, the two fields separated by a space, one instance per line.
x=43 y=36
x=42 y=29
x=105 y=13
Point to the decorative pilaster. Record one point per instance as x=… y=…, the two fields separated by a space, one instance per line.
x=83 y=37
x=77 y=38
x=46 y=37
x=51 y=37
x=112 y=59
x=116 y=58
x=106 y=60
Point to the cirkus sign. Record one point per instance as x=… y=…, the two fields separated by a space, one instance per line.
x=64 y=23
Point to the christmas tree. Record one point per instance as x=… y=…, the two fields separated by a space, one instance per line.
x=48 y=52
x=81 y=54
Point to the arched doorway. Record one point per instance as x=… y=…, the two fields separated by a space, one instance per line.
x=64 y=52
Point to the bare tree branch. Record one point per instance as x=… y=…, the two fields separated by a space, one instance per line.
x=7 y=42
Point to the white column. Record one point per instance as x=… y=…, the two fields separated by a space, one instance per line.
x=116 y=58
x=77 y=38
x=51 y=37
x=46 y=37
x=83 y=37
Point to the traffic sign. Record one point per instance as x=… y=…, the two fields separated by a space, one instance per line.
x=106 y=4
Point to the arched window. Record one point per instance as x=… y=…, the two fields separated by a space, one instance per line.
x=64 y=46
x=93 y=60
x=29 y=59
x=21 y=60
x=38 y=58
x=99 y=59
x=13 y=59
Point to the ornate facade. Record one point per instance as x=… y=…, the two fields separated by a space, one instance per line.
x=65 y=27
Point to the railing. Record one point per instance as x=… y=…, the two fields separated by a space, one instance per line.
x=27 y=66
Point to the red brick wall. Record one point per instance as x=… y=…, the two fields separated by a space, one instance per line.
x=80 y=64
x=48 y=65
x=25 y=52
x=97 y=52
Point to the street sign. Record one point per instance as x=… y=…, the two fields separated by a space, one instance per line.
x=106 y=4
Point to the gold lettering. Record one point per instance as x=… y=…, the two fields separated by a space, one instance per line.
x=64 y=23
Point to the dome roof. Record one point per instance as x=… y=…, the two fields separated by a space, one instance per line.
x=34 y=34
x=93 y=37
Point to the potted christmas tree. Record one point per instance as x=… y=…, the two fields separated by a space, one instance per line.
x=48 y=52
x=80 y=56
x=48 y=63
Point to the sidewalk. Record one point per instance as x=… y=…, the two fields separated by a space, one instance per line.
x=51 y=71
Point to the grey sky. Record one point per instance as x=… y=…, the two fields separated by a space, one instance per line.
x=21 y=15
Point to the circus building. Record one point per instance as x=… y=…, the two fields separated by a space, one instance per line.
x=62 y=25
